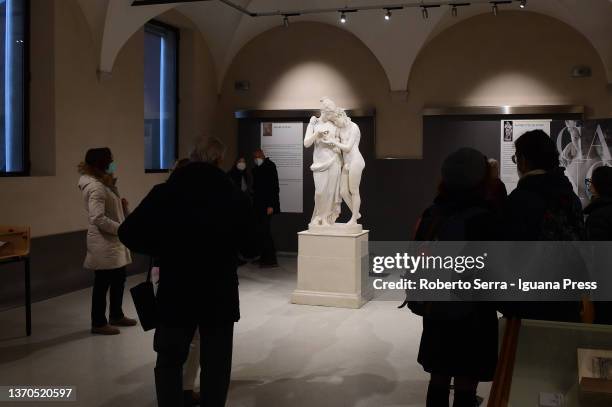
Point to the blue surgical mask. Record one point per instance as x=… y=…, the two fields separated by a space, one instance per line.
x=112 y=168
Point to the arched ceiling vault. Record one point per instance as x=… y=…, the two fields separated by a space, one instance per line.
x=396 y=43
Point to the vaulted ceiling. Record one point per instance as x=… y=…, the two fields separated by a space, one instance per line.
x=395 y=43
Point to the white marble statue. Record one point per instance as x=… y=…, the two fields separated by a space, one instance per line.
x=337 y=165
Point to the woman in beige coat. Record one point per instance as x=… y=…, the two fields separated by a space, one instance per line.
x=106 y=255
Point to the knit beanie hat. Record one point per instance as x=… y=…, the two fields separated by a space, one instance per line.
x=464 y=169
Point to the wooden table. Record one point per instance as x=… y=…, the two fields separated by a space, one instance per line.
x=16 y=248
x=28 y=291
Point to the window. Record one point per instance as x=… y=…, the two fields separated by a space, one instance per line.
x=160 y=96
x=13 y=119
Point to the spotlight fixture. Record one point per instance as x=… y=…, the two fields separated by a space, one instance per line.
x=495 y=5
x=523 y=4
x=425 y=10
x=455 y=8
x=389 y=11
x=285 y=21
x=343 y=12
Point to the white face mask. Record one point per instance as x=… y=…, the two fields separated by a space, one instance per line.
x=259 y=161
x=241 y=166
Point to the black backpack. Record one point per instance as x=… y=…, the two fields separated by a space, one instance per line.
x=445 y=227
x=562 y=220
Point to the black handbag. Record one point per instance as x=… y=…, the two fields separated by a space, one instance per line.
x=143 y=296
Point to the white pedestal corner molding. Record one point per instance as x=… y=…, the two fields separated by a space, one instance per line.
x=331 y=270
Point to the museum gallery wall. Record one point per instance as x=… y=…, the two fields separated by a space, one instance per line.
x=72 y=108
x=413 y=183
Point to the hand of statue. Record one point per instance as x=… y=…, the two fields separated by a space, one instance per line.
x=322 y=135
x=313 y=120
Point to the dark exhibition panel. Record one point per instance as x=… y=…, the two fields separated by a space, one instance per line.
x=403 y=187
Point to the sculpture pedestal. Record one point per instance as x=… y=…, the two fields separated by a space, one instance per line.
x=336 y=229
x=330 y=270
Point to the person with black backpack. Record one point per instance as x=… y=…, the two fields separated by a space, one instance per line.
x=599 y=210
x=599 y=225
x=459 y=340
x=543 y=207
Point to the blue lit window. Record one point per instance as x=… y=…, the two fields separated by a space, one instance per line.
x=13 y=123
x=160 y=96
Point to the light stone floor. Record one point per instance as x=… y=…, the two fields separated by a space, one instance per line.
x=284 y=354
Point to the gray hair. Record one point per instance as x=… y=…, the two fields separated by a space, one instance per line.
x=208 y=149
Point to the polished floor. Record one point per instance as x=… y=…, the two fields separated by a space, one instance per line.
x=284 y=354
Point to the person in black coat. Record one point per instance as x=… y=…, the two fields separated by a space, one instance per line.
x=462 y=345
x=194 y=224
x=543 y=207
x=599 y=225
x=266 y=203
x=599 y=211
x=240 y=176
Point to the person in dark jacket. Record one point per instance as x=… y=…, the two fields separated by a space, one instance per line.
x=543 y=207
x=462 y=345
x=266 y=203
x=599 y=211
x=599 y=225
x=194 y=225
x=240 y=176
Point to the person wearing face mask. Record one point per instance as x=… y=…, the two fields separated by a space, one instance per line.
x=106 y=255
x=239 y=175
x=266 y=203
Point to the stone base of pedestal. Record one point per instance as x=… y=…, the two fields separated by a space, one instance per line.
x=331 y=270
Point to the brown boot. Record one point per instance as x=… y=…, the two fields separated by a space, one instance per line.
x=125 y=321
x=105 y=330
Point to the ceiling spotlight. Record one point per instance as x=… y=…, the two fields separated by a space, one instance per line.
x=455 y=8
x=523 y=4
x=388 y=15
x=285 y=21
x=343 y=18
x=425 y=13
x=494 y=8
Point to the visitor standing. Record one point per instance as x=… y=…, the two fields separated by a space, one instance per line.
x=266 y=204
x=106 y=255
